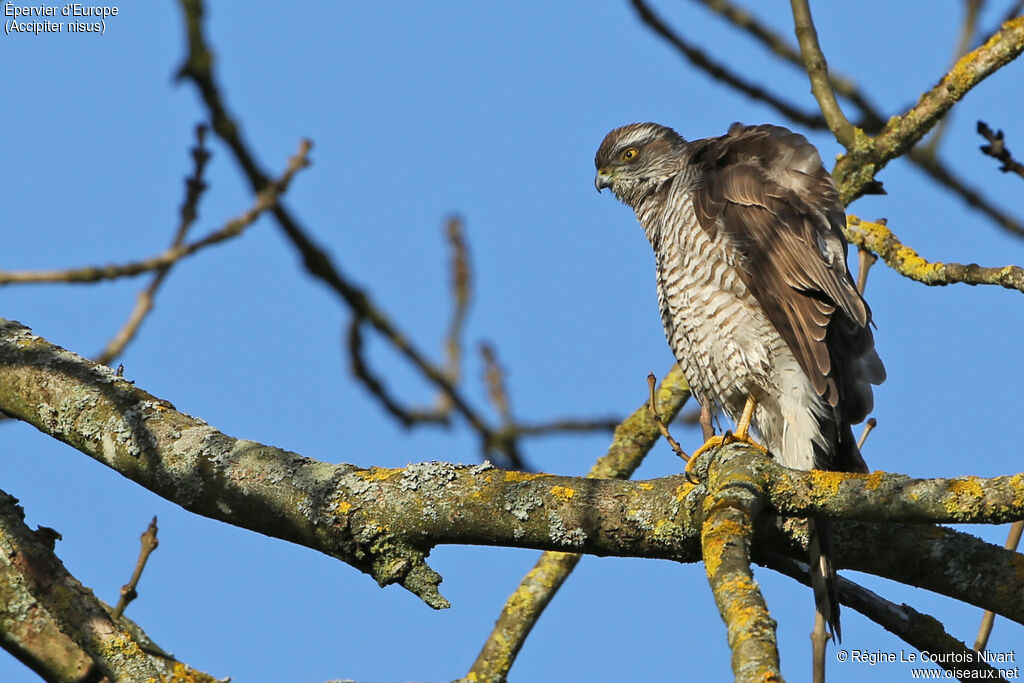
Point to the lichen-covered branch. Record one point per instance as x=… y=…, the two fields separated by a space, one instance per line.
x=856 y=170
x=382 y=521
x=939 y=559
x=817 y=71
x=871 y=119
x=630 y=443
x=385 y=521
x=878 y=238
x=919 y=630
x=731 y=507
x=26 y=559
x=266 y=199
x=42 y=607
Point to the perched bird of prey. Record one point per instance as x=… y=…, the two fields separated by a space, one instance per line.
x=755 y=294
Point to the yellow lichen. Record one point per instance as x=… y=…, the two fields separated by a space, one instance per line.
x=827 y=483
x=512 y=475
x=874 y=480
x=646 y=485
x=377 y=473
x=562 y=493
x=344 y=506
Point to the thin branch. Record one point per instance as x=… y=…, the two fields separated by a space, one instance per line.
x=652 y=407
x=494 y=378
x=972 y=8
x=817 y=71
x=194 y=188
x=921 y=631
x=720 y=72
x=129 y=591
x=878 y=238
x=198 y=68
x=988 y=619
x=461 y=288
x=871 y=117
x=868 y=428
x=361 y=371
x=945 y=176
x=633 y=439
x=266 y=200
x=865 y=259
x=997 y=149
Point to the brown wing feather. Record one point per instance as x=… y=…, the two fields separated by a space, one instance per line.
x=767 y=191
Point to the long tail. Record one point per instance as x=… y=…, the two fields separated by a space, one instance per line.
x=823 y=574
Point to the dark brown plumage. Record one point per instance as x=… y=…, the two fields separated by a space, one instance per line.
x=755 y=294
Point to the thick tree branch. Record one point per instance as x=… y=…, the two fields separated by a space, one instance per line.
x=817 y=71
x=731 y=508
x=878 y=238
x=385 y=521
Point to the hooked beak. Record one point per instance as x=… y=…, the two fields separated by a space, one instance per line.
x=603 y=179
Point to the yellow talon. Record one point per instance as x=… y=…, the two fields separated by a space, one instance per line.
x=741 y=434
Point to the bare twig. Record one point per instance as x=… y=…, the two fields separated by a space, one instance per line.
x=265 y=200
x=871 y=119
x=461 y=291
x=652 y=406
x=945 y=176
x=997 y=149
x=972 y=8
x=868 y=426
x=817 y=71
x=194 y=187
x=361 y=371
x=719 y=72
x=878 y=238
x=198 y=68
x=988 y=619
x=921 y=631
x=865 y=259
x=494 y=378
x=129 y=590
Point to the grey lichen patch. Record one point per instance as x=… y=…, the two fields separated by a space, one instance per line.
x=560 y=533
x=482 y=467
x=520 y=500
x=640 y=516
x=427 y=476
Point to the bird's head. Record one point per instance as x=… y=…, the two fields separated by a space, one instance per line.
x=636 y=158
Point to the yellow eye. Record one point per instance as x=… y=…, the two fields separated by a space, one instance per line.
x=630 y=154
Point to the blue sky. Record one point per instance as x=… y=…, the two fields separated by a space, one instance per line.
x=494 y=112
